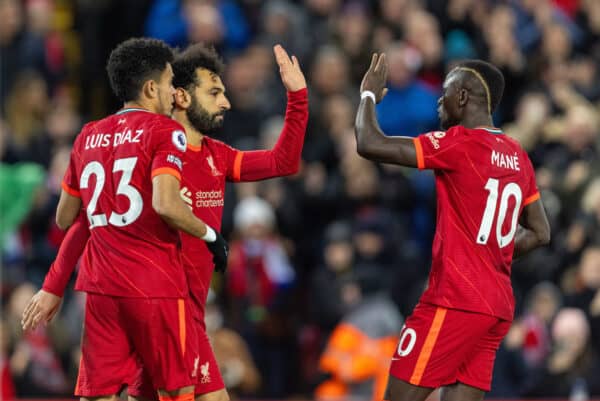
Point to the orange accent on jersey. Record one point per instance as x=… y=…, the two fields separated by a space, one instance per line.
x=237 y=166
x=70 y=191
x=182 y=333
x=531 y=199
x=419 y=152
x=427 y=349
x=79 y=373
x=166 y=170
x=180 y=397
x=194 y=148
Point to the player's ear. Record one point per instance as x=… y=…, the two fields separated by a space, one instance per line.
x=150 y=89
x=183 y=99
x=463 y=97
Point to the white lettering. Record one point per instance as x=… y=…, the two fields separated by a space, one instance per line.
x=127 y=136
x=175 y=160
x=106 y=140
x=505 y=161
x=433 y=140
x=97 y=141
x=209 y=199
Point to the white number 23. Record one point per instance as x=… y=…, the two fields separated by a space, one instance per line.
x=125 y=165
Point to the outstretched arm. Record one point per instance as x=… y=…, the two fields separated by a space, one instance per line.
x=534 y=229
x=284 y=158
x=44 y=304
x=371 y=143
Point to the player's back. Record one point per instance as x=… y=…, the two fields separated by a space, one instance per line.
x=132 y=252
x=483 y=180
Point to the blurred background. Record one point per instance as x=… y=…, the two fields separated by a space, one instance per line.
x=343 y=247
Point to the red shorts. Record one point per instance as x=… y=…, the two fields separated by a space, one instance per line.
x=440 y=346
x=207 y=377
x=120 y=334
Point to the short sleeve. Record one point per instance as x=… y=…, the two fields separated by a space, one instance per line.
x=532 y=193
x=438 y=149
x=167 y=148
x=70 y=182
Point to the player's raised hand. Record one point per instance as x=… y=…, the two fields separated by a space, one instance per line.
x=42 y=307
x=291 y=74
x=375 y=78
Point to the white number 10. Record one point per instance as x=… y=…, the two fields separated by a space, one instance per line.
x=511 y=189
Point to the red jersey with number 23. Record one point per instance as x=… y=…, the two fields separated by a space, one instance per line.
x=132 y=252
x=483 y=181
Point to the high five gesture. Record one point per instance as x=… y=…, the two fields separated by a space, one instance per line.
x=291 y=74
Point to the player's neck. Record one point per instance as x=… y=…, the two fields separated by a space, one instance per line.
x=474 y=121
x=194 y=137
x=139 y=104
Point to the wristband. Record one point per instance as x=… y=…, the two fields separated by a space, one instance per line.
x=210 y=236
x=368 y=94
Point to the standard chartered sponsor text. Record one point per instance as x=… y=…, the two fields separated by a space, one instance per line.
x=209 y=199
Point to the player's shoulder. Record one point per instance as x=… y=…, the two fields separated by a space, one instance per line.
x=160 y=121
x=216 y=144
x=157 y=126
x=454 y=133
x=88 y=128
x=514 y=143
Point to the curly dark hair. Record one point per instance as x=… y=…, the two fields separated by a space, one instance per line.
x=135 y=61
x=491 y=75
x=193 y=57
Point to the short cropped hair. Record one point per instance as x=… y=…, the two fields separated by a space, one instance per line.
x=135 y=61
x=189 y=60
x=492 y=78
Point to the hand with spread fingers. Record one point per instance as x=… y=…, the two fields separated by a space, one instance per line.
x=42 y=307
x=291 y=74
x=375 y=78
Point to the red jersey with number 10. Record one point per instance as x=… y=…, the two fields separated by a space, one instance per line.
x=483 y=181
x=132 y=252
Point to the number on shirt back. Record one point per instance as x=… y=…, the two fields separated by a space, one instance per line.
x=135 y=199
x=510 y=190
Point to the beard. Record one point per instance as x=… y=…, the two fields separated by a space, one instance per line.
x=202 y=120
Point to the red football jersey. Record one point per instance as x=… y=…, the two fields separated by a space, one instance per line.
x=483 y=181
x=132 y=252
x=207 y=168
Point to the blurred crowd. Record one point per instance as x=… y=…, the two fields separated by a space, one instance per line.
x=341 y=250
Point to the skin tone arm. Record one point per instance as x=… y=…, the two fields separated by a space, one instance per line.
x=67 y=210
x=534 y=229
x=167 y=202
x=371 y=143
x=43 y=306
